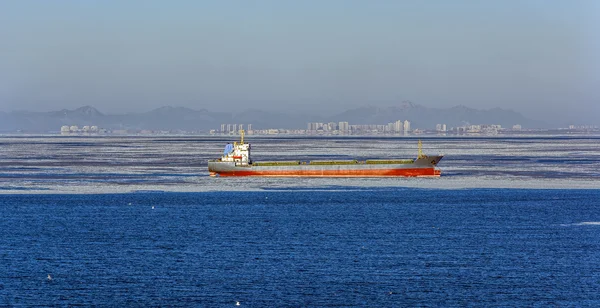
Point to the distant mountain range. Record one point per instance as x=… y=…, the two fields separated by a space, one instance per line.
x=180 y=118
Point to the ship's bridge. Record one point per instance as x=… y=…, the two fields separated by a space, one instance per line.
x=238 y=152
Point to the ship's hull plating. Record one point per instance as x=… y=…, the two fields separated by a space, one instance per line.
x=420 y=167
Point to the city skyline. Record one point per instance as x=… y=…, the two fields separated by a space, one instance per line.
x=361 y=119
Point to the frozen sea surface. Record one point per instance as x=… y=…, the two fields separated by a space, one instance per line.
x=56 y=164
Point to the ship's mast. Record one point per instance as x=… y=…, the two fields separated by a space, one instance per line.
x=421 y=155
x=242 y=136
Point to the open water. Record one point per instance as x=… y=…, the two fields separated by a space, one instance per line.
x=138 y=222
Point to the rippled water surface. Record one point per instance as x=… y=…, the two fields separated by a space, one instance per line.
x=137 y=221
x=371 y=247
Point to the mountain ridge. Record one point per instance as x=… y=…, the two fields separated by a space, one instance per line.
x=188 y=119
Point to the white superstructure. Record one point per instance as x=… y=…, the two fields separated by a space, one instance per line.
x=238 y=152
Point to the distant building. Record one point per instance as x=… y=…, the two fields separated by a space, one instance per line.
x=398 y=126
x=74 y=129
x=343 y=127
x=389 y=128
x=406 y=126
x=315 y=126
x=516 y=127
x=332 y=126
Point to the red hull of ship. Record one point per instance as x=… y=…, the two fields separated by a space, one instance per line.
x=408 y=172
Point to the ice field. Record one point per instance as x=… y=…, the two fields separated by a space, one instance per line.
x=106 y=164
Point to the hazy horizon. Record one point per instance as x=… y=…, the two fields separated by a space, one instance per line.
x=538 y=58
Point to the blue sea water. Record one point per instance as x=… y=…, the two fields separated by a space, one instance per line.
x=352 y=246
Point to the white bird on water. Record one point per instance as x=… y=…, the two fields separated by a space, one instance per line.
x=49 y=277
x=237 y=303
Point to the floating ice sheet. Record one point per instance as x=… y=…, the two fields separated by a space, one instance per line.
x=43 y=164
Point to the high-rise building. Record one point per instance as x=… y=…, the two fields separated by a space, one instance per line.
x=222 y=127
x=317 y=126
x=343 y=126
x=398 y=126
x=406 y=126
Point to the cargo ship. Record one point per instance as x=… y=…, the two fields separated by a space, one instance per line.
x=236 y=161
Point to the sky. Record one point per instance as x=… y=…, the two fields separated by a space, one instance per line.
x=540 y=58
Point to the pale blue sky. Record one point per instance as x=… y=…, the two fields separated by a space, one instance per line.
x=122 y=56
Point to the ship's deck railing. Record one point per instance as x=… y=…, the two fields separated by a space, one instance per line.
x=333 y=162
x=389 y=161
x=276 y=163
